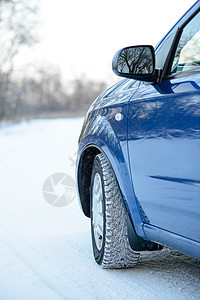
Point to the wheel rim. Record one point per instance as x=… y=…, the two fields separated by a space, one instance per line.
x=97 y=211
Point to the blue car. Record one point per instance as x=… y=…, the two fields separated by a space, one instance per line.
x=138 y=163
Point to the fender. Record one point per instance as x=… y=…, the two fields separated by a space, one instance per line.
x=103 y=133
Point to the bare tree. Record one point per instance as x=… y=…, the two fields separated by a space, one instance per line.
x=84 y=91
x=18 y=25
x=48 y=95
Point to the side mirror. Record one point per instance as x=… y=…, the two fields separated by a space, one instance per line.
x=137 y=62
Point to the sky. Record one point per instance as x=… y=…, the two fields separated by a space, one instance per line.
x=80 y=37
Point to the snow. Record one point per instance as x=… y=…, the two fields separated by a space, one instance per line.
x=45 y=251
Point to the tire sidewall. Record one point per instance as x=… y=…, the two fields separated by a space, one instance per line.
x=98 y=254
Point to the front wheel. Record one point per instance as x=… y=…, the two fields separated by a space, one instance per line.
x=110 y=242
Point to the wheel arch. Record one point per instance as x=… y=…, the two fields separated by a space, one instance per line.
x=85 y=161
x=84 y=173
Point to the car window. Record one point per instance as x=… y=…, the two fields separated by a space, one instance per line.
x=187 y=54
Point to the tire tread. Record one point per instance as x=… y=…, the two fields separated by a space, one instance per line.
x=117 y=250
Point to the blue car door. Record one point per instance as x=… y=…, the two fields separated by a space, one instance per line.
x=164 y=142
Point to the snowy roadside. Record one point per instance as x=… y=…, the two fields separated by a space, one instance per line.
x=45 y=251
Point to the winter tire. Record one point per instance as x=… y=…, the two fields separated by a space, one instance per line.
x=110 y=242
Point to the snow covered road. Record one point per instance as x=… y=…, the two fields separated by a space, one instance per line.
x=45 y=251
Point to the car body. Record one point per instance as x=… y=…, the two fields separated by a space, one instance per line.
x=148 y=127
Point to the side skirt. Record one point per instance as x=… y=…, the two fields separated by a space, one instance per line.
x=172 y=240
